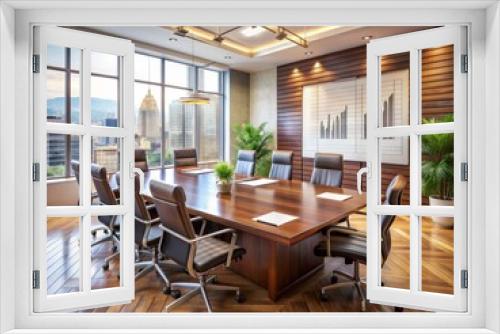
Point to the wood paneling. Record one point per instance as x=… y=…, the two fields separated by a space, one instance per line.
x=437 y=98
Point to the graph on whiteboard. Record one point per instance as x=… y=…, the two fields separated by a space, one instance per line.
x=335 y=120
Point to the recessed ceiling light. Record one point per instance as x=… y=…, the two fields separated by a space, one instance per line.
x=252 y=31
x=308 y=53
x=367 y=38
x=173 y=39
x=227 y=57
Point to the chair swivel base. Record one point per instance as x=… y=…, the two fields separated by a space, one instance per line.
x=352 y=280
x=204 y=284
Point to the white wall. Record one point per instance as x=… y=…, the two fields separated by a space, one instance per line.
x=263 y=100
x=7 y=166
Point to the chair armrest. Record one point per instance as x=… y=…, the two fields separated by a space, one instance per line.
x=148 y=222
x=343 y=230
x=200 y=238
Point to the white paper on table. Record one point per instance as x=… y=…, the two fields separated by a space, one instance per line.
x=275 y=218
x=258 y=182
x=141 y=178
x=334 y=196
x=198 y=171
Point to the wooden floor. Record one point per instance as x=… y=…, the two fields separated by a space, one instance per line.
x=437 y=269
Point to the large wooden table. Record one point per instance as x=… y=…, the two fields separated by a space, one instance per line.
x=277 y=257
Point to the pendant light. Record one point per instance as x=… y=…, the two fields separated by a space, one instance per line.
x=194 y=97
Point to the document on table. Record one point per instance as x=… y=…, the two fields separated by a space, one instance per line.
x=197 y=171
x=334 y=196
x=275 y=218
x=258 y=182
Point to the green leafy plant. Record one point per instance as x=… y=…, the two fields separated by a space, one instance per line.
x=437 y=164
x=249 y=137
x=224 y=172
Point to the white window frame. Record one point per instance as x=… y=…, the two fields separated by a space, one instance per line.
x=482 y=315
x=124 y=51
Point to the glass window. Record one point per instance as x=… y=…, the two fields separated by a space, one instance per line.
x=56 y=96
x=105 y=64
x=178 y=123
x=147 y=68
x=208 y=80
x=104 y=101
x=148 y=121
x=56 y=56
x=210 y=130
x=177 y=74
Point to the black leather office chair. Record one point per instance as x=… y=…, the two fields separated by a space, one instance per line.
x=351 y=244
x=328 y=169
x=141 y=160
x=281 y=165
x=245 y=163
x=199 y=255
x=147 y=235
x=185 y=157
x=107 y=197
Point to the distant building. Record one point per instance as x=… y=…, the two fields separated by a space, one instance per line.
x=148 y=122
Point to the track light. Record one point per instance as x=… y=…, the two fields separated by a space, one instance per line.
x=181 y=31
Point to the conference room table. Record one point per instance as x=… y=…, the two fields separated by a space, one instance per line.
x=276 y=258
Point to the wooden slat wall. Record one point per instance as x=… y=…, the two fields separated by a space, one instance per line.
x=437 y=98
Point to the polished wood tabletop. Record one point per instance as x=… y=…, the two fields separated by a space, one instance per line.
x=245 y=202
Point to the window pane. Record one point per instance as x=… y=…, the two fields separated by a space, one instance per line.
x=395 y=251
x=76 y=56
x=177 y=74
x=56 y=56
x=437 y=254
x=209 y=129
x=104 y=101
x=394 y=160
x=102 y=63
x=106 y=153
x=437 y=85
x=56 y=97
x=148 y=121
x=208 y=80
x=63 y=255
x=106 y=274
x=75 y=98
x=179 y=123
x=147 y=68
x=394 y=99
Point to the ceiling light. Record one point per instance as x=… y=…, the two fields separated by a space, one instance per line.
x=252 y=31
x=281 y=35
x=227 y=57
x=218 y=39
x=367 y=38
x=181 y=31
x=194 y=98
x=308 y=53
x=173 y=39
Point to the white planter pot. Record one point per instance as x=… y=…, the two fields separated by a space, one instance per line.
x=223 y=187
x=446 y=222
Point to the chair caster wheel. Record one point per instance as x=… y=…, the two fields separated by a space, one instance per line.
x=115 y=248
x=323 y=297
x=334 y=279
x=240 y=298
x=175 y=294
x=398 y=309
x=93 y=233
x=105 y=266
x=166 y=290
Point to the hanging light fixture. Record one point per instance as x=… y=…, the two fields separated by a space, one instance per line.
x=194 y=97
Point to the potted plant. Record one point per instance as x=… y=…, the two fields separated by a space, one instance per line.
x=224 y=173
x=437 y=170
x=249 y=137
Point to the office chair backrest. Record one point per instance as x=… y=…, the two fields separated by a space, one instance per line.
x=281 y=165
x=141 y=160
x=245 y=163
x=104 y=191
x=393 y=196
x=170 y=202
x=185 y=157
x=328 y=169
x=75 y=167
x=141 y=211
